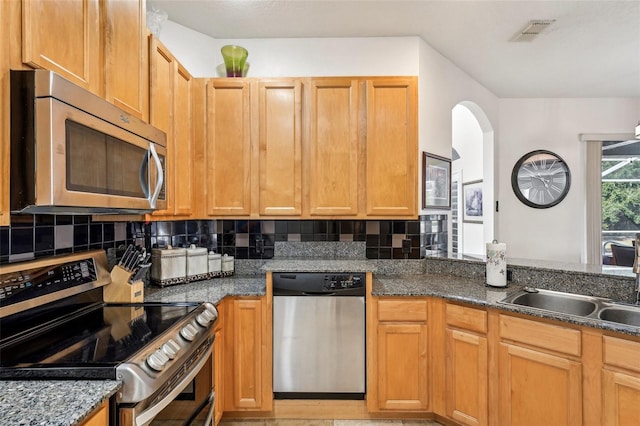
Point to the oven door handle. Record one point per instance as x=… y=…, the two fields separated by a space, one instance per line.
x=210 y=401
x=147 y=415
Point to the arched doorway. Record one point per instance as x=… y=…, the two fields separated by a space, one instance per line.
x=473 y=194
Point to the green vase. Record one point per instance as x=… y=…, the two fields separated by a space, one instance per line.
x=234 y=59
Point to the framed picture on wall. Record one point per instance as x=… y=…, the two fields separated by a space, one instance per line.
x=472 y=193
x=436 y=182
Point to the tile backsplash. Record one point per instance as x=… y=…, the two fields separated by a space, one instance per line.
x=255 y=239
x=45 y=235
x=32 y=236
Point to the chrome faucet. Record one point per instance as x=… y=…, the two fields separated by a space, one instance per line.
x=636 y=268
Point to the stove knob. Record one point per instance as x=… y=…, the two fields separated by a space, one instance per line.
x=205 y=318
x=171 y=349
x=189 y=332
x=157 y=360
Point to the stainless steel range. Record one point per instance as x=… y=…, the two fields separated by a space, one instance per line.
x=55 y=325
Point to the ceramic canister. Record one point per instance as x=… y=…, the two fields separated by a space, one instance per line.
x=227 y=265
x=168 y=266
x=497 y=264
x=214 y=264
x=197 y=268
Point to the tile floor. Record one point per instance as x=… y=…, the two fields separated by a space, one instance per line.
x=311 y=422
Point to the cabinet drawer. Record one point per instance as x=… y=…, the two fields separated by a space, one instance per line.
x=546 y=336
x=621 y=353
x=402 y=310
x=468 y=318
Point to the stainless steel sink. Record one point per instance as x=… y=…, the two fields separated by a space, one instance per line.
x=577 y=305
x=622 y=315
x=565 y=303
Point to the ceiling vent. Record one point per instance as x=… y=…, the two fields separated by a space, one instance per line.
x=533 y=29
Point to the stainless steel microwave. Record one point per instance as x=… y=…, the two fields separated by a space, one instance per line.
x=73 y=152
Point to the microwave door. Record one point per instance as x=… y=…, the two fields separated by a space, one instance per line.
x=89 y=162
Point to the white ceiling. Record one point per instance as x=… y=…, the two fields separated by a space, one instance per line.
x=592 y=50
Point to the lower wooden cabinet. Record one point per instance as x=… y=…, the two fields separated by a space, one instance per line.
x=247 y=355
x=537 y=388
x=218 y=363
x=620 y=382
x=397 y=365
x=540 y=373
x=466 y=365
x=99 y=417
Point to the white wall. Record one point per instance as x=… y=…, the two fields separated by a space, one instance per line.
x=467 y=140
x=443 y=86
x=556 y=233
x=303 y=57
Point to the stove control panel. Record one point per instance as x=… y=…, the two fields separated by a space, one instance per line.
x=179 y=343
x=30 y=283
x=344 y=281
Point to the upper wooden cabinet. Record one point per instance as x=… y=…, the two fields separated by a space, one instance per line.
x=279 y=146
x=333 y=147
x=269 y=154
x=392 y=147
x=228 y=147
x=170 y=111
x=127 y=56
x=65 y=37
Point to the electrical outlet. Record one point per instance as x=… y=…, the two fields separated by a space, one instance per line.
x=406 y=246
x=259 y=246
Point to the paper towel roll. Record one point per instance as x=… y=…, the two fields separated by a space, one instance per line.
x=497 y=264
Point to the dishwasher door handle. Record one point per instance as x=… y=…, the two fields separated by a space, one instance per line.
x=311 y=293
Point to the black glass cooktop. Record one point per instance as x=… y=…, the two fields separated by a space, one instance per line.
x=84 y=342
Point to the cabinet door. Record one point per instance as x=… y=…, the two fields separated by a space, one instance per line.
x=392 y=147
x=402 y=366
x=537 y=388
x=228 y=147
x=5 y=66
x=248 y=385
x=333 y=147
x=127 y=56
x=621 y=398
x=64 y=37
x=280 y=143
x=183 y=142
x=162 y=65
x=620 y=381
x=100 y=417
x=466 y=377
x=218 y=365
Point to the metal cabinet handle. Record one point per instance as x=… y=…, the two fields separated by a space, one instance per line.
x=160 y=181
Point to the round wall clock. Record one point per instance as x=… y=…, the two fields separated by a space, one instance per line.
x=541 y=179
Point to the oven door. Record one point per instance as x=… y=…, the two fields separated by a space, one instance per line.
x=199 y=375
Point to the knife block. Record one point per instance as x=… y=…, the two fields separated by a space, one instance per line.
x=120 y=290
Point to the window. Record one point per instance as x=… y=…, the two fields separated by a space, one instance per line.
x=620 y=179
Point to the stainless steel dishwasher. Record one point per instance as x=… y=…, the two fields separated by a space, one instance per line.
x=319 y=335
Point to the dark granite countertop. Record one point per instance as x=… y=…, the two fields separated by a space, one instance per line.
x=35 y=402
x=476 y=292
x=461 y=289
x=52 y=402
x=212 y=291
